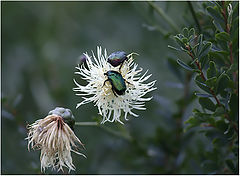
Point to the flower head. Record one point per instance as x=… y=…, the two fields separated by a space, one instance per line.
x=101 y=93
x=53 y=136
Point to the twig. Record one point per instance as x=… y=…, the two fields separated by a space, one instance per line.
x=201 y=73
x=212 y=92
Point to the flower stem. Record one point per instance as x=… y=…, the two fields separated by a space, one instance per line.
x=115 y=133
x=86 y=123
x=163 y=15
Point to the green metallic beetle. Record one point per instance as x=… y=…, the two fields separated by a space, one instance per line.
x=117 y=82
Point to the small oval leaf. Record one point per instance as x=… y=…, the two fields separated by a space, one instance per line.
x=206 y=103
x=181 y=63
x=203 y=95
x=223 y=36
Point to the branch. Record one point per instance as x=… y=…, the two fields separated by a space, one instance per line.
x=212 y=92
x=201 y=73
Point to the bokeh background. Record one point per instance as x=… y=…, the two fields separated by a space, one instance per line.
x=41 y=45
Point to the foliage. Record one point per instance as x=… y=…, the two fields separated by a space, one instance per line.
x=215 y=64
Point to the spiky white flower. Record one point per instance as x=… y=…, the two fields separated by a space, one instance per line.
x=110 y=105
x=56 y=140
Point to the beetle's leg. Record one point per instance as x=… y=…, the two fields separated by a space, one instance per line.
x=114 y=92
x=105 y=82
x=120 y=67
x=128 y=82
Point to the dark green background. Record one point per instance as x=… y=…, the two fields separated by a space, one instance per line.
x=41 y=43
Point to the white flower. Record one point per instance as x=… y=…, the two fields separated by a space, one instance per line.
x=56 y=140
x=109 y=105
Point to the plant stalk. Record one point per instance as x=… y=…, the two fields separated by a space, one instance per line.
x=212 y=92
x=115 y=133
x=86 y=123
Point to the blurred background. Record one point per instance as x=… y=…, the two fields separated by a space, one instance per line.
x=41 y=45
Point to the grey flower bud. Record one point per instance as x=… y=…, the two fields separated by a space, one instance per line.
x=66 y=114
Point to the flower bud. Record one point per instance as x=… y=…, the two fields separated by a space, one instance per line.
x=66 y=114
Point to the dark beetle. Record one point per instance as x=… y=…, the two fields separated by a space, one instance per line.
x=117 y=58
x=117 y=82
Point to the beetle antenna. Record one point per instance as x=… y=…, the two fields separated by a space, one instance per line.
x=129 y=55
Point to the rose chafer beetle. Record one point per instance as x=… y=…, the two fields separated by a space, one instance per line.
x=117 y=82
x=117 y=58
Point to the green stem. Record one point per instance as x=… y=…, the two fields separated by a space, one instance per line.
x=163 y=15
x=115 y=133
x=86 y=123
x=194 y=16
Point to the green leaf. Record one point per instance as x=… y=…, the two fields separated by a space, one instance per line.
x=193 y=61
x=203 y=95
x=199 y=47
x=185 y=40
x=217 y=4
x=236 y=10
x=222 y=83
x=206 y=103
x=221 y=125
x=218 y=26
x=181 y=63
x=204 y=60
x=195 y=46
x=192 y=122
x=223 y=36
x=219 y=111
x=215 y=14
x=212 y=70
x=201 y=84
x=211 y=82
x=203 y=117
x=231 y=166
x=185 y=32
x=173 y=48
x=192 y=32
x=179 y=42
x=233 y=68
x=205 y=49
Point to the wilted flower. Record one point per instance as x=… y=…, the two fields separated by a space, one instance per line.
x=109 y=105
x=54 y=137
